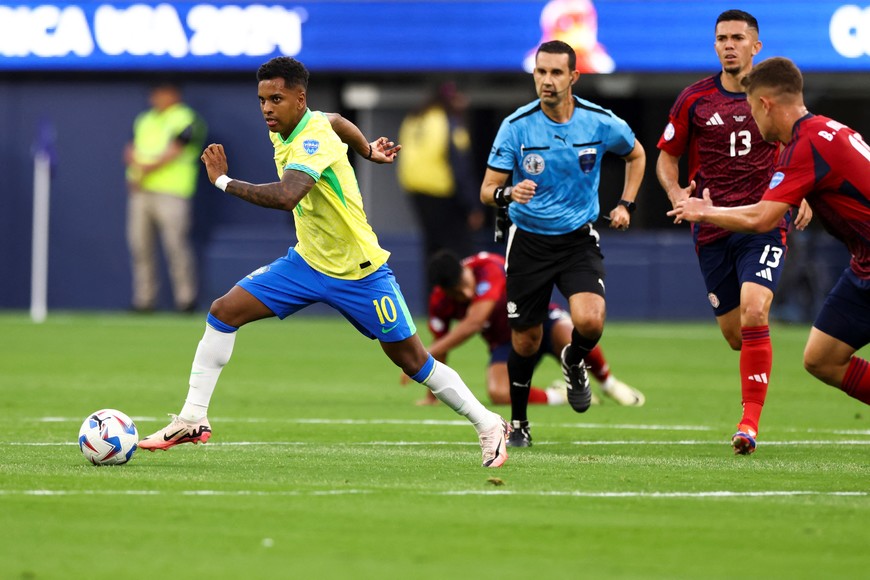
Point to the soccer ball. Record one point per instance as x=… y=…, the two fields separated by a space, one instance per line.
x=108 y=437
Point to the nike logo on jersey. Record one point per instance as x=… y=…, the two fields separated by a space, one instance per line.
x=765 y=274
x=715 y=120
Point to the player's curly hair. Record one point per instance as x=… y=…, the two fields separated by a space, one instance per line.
x=291 y=70
x=445 y=269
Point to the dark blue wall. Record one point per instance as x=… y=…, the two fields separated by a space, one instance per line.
x=652 y=274
x=92 y=118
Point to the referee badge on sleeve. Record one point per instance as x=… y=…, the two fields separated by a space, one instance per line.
x=587 y=159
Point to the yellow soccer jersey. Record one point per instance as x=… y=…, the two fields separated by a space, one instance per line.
x=334 y=235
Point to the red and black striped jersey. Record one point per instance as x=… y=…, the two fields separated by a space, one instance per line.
x=725 y=150
x=828 y=164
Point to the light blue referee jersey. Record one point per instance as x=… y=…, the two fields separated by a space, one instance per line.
x=564 y=159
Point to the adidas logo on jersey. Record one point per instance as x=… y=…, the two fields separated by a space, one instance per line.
x=765 y=274
x=762 y=378
x=715 y=120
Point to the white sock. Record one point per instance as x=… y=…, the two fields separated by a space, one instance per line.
x=212 y=354
x=447 y=385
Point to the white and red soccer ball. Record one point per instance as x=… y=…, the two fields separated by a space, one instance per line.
x=108 y=437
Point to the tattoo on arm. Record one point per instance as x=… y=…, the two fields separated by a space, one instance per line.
x=284 y=195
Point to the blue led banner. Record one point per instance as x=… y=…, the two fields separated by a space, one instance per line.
x=467 y=36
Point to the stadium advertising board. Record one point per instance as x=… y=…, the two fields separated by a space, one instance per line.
x=361 y=36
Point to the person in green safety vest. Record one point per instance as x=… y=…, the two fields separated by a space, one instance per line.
x=162 y=166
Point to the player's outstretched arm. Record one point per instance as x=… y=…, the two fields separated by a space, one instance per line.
x=762 y=216
x=283 y=195
x=381 y=150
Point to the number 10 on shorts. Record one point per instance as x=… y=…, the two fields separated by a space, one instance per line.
x=386 y=309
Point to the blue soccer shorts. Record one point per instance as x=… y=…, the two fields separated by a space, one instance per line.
x=374 y=304
x=728 y=263
x=846 y=312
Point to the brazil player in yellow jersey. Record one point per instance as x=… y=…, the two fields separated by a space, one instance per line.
x=337 y=261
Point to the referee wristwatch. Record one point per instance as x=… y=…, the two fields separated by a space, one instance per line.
x=629 y=205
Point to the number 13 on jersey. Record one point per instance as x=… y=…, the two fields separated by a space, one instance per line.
x=743 y=140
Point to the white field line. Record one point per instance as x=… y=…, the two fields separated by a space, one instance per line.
x=436 y=422
x=461 y=492
x=632 y=442
x=457 y=423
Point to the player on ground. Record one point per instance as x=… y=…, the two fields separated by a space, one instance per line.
x=337 y=261
x=710 y=122
x=828 y=165
x=545 y=167
x=473 y=293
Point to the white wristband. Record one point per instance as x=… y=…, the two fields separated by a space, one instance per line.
x=221 y=182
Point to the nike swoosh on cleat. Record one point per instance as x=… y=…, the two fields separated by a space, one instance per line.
x=172 y=436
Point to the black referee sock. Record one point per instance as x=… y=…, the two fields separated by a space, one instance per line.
x=520 y=370
x=579 y=348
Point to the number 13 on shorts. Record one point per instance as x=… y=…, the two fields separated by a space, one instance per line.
x=771 y=256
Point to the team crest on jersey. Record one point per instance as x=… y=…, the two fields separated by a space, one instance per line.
x=533 y=164
x=714 y=300
x=776 y=179
x=311 y=146
x=669 y=132
x=257 y=272
x=482 y=288
x=587 y=158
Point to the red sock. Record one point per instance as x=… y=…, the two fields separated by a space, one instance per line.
x=856 y=381
x=537 y=396
x=756 y=360
x=597 y=364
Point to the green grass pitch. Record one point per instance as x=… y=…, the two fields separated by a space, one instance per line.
x=322 y=467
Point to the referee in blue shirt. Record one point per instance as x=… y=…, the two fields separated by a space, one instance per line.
x=545 y=166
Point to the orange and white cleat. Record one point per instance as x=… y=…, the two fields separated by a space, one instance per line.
x=177 y=432
x=493 y=444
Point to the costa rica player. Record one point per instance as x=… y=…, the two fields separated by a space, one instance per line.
x=711 y=122
x=826 y=164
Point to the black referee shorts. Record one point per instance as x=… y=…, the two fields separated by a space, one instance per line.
x=535 y=263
